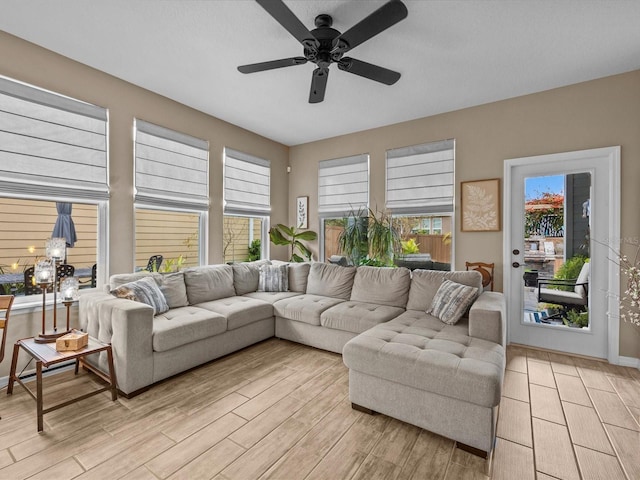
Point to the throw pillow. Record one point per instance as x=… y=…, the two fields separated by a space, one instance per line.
x=145 y=290
x=274 y=278
x=452 y=301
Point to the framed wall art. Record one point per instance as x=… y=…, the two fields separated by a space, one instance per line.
x=302 y=212
x=480 y=205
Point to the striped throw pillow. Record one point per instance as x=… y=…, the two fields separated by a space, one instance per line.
x=145 y=290
x=452 y=301
x=274 y=278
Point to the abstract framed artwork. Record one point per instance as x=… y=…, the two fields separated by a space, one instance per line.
x=480 y=205
x=302 y=212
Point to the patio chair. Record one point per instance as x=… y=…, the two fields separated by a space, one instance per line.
x=30 y=287
x=485 y=269
x=64 y=270
x=577 y=298
x=153 y=265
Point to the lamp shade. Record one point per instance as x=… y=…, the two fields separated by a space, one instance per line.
x=44 y=271
x=55 y=248
x=69 y=289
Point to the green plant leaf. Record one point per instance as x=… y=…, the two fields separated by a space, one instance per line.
x=287 y=230
x=297 y=258
x=308 y=235
x=302 y=248
x=277 y=238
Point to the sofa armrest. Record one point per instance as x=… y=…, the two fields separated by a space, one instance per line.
x=128 y=327
x=487 y=318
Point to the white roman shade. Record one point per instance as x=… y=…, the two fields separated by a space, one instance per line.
x=247 y=184
x=420 y=178
x=51 y=145
x=343 y=186
x=171 y=168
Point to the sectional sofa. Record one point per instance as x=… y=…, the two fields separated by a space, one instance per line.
x=403 y=361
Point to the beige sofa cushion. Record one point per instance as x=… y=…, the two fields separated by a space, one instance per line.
x=212 y=282
x=121 y=278
x=420 y=351
x=246 y=276
x=298 y=275
x=271 y=297
x=180 y=326
x=304 y=308
x=174 y=289
x=356 y=317
x=330 y=280
x=384 y=286
x=425 y=284
x=239 y=311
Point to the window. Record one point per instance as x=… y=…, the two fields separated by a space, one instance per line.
x=172 y=196
x=343 y=189
x=53 y=155
x=247 y=206
x=419 y=195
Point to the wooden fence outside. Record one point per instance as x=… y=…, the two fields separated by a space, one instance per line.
x=437 y=246
x=25 y=226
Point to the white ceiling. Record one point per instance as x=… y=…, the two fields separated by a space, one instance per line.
x=451 y=54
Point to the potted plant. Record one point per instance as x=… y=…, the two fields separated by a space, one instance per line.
x=352 y=241
x=384 y=239
x=291 y=236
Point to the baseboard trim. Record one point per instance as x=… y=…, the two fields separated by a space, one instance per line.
x=629 y=362
x=30 y=375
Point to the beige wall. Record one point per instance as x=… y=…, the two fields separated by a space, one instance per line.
x=593 y=114
x=29 y=63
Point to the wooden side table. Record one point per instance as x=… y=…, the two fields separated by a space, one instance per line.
x=47 y=355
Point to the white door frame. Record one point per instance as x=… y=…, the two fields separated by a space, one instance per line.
x=611 y=155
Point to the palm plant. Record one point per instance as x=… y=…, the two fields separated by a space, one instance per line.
x=352 y=241
x=384 y=239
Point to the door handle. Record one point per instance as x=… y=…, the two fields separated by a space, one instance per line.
x=515 y=265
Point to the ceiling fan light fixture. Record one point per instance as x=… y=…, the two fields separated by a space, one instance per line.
x=325 y=45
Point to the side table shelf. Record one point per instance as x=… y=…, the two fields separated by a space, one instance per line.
x=45 y=354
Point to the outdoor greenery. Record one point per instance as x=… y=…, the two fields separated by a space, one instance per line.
x=255 y=251
x=292 y=236
x=545 y=215
x=577 y=319
x=569 y=270
x=410 y=246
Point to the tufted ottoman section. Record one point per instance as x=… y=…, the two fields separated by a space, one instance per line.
x=420 y=351
x=430 y=374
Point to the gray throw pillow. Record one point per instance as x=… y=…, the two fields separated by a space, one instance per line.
x=145 y=290
x=274 y=278
x=452 y=301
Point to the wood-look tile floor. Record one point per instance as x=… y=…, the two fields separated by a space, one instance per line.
x=281 y=410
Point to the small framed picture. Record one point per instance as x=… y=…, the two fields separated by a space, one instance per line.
x=480 y=205
x=302 y=212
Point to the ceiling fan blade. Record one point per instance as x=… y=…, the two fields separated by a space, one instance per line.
x=368 y=70
x=285 y=17
x=386 y=16
x=262 y=66
x=318 y=85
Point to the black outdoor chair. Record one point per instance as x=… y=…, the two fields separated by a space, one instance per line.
x=64 y=270
x=153 y=265
x=569 y=294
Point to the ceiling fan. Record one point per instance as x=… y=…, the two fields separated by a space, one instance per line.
x=325 y=45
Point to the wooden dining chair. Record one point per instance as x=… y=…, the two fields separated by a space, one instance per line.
x=485 y=269
x=6 y=301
